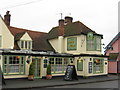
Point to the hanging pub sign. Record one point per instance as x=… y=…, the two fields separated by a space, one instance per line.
x=72 y=43
x=70 y=73
x=90 y=36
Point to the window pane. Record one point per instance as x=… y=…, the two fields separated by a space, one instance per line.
x=29 y=45
x=98 y=43
x=22 y=68
x=5 y=68
x=10 y=60
x=65 y=63
x=52 y=64
x=58 y=64
x=13 y=68
x=98 y=65
x=22 y=44
x=22 y=60
x=90 y=45
x=25 y=44
x=14 y=65
x=80 y=65
x=5 y=60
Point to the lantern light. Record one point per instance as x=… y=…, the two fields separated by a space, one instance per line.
x=18 y=57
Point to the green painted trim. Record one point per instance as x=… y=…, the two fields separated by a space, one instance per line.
x=75 y=43
x=95 y=44
x=79 y=65
x=101 y=66
x=36 y=67
x=24 y=64
x=58 y=73
x=3 y=64
x=20 y=73
x=62 y=65
x=13 y=74
x=27 y=44
x=55 y=71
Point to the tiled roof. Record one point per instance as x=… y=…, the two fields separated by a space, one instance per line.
x=18 y=36
x=39 y=38
x=75 y=28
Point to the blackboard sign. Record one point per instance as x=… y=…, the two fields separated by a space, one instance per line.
x=70 y=73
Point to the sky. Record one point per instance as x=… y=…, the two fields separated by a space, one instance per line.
x=42 y=15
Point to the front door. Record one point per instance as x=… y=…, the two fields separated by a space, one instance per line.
x=37 y=66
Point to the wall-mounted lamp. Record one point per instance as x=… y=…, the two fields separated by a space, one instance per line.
x=71 y=60
x=110 y=47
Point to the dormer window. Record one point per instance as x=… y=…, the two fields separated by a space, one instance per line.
x=25 y=44
x=23 y=41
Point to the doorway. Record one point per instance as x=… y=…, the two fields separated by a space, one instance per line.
x=37 y=66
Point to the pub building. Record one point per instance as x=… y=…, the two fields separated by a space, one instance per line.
x=69 y=43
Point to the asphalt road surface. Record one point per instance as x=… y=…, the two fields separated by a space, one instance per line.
x=106 y=84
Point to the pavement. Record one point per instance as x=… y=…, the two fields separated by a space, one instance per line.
x=16 y=84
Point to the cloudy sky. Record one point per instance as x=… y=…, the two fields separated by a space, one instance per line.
x=41 y=15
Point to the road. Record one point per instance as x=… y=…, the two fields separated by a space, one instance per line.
x=110 y=85
x=106 y=84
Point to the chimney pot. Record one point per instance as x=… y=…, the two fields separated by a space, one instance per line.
x=61 y=22
x=68 y=19
x=7 y=18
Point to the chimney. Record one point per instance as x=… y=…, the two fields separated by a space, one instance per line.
x=61 y=27
x=7 y=18
x=61 y=22
x=68 y=20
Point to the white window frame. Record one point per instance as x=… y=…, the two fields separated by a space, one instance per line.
x=26 y=44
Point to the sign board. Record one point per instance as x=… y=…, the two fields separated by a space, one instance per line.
x=90 y=36
x=90 y=67
x=72 y=43
x=70 y=73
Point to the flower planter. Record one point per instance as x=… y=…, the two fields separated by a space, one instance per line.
x=31 y=72
x=48 y=76
x=48 y=73
x=31 y=77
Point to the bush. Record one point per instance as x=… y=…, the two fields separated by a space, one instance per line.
x=31 y=69
x=49 y=69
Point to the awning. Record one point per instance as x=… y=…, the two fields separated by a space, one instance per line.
x=113 y=57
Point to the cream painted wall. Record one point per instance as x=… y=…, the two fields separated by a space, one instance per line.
x=15 y=76
x=43 y=70
x=54 y=43
x=81 y=46
x=60 y=45
x=26 y=37
x=7 y=37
